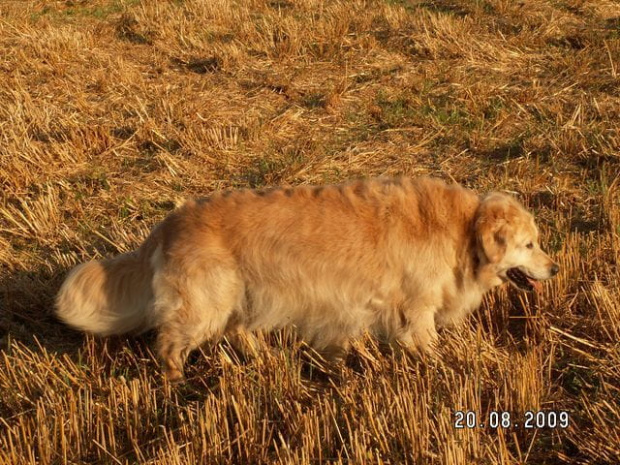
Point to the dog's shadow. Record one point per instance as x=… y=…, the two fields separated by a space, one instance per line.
x=27 y=320
x=515 y=320
x=27 y=317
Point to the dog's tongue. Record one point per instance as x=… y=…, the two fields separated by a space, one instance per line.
x=537 y=285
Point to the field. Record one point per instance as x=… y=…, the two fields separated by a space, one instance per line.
x=113 y=112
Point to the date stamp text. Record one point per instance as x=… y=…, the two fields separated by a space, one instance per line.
x=467 y=419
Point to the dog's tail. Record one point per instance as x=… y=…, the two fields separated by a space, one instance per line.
x=112 y=296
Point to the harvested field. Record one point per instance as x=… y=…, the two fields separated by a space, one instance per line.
x=114 y=111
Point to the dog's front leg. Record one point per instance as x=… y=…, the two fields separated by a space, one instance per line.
x=419 y=334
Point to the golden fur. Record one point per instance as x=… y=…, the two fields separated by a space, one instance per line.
x=397 y=257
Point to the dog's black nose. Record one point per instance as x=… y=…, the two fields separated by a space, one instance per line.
x=554 y=269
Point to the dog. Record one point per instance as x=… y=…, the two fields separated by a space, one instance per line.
x=396 y=257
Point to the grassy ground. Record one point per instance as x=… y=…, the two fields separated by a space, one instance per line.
x=112 y=112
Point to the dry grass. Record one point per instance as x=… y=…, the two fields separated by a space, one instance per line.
x=111 y=112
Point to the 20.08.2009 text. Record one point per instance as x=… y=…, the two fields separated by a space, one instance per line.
x=529 y=420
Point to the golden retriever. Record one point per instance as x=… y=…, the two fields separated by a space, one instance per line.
x=397 y=257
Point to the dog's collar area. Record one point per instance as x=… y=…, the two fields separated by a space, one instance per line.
x=476 y=262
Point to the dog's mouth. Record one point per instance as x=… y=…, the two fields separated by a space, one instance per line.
x=523 y=281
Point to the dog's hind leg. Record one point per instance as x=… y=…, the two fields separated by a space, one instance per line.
x=242 y=341
x=193 y=308
x=173 y=347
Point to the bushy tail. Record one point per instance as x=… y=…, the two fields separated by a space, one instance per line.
x=107 y=297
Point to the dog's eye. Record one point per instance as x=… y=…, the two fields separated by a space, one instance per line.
x=529 y=245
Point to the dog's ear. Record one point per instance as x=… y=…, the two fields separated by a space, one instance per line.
x=490 y=226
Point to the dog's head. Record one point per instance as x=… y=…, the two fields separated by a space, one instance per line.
x=507 y=241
